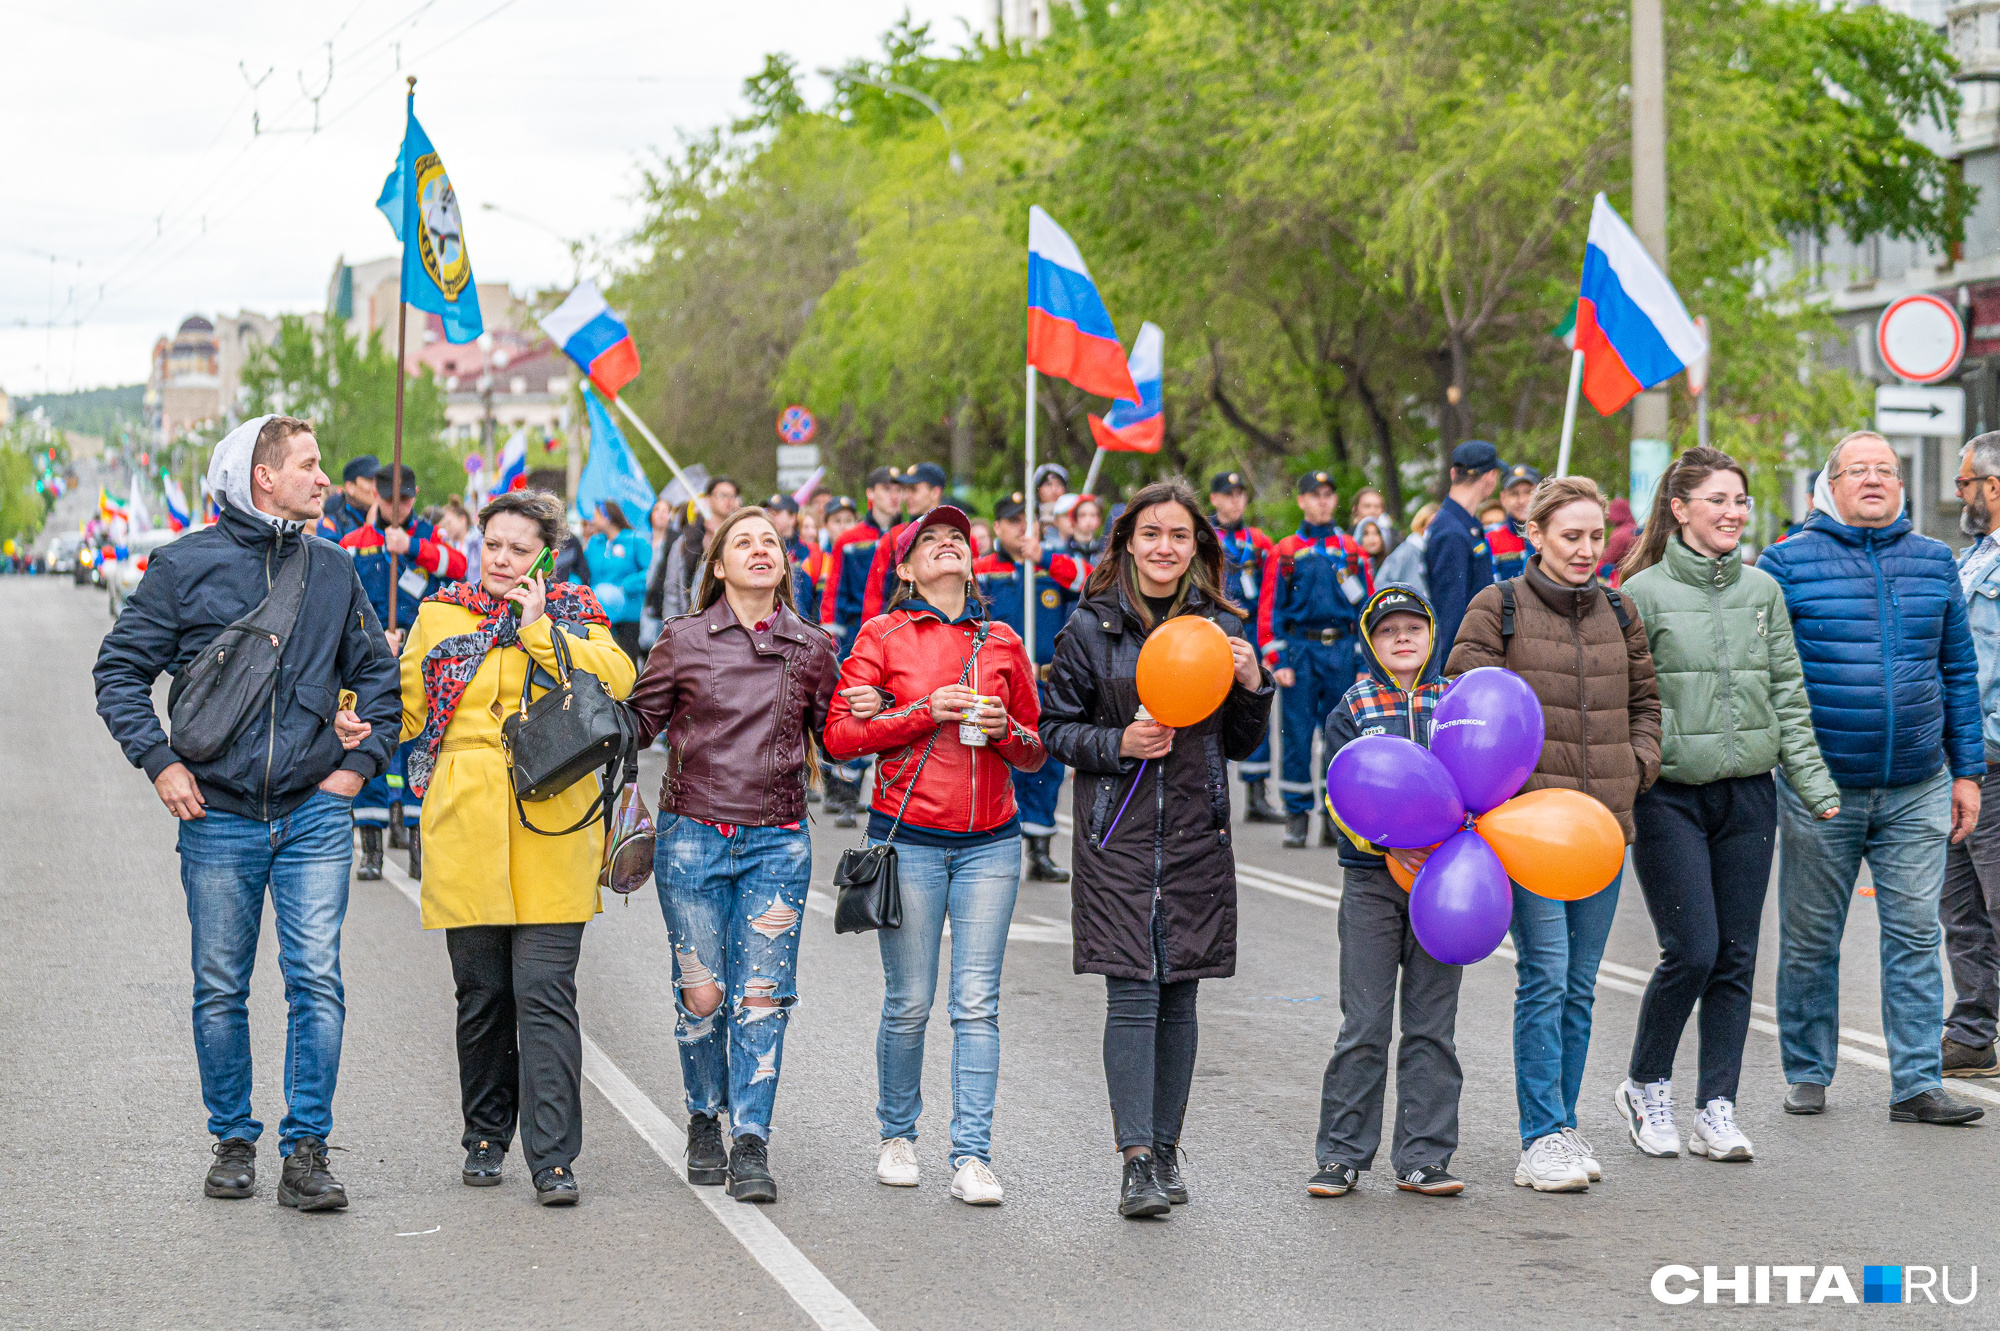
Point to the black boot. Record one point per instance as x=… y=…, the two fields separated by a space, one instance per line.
x=750 y=1171
x=1041 y=868
x=843 y=799
x=416 y=839
x=1167 y=1172
x=1329 y=835
x=1141 y=1194
x=708 y=1162
x=1257 y=808
x=307 y=1183
x=234 y=1173
x=397 y=840
x=1296 y=827
x=371 y=855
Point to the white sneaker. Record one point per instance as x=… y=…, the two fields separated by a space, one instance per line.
x=1649 y=1116
x=897 y=1164
x=1549 y=1165
x=975 y=1185
x=1585 y=1153
x=1716 y=1135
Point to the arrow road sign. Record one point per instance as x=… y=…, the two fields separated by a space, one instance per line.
x=1903 y=410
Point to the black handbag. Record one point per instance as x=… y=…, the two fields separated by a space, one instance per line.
x=229 y=681
x=869 y=892
x=560 y=738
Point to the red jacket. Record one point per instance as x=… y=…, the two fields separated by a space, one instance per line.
x=909 y=652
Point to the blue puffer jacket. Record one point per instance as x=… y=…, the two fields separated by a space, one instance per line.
x=1884 y=717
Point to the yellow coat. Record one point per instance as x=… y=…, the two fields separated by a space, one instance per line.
x=480 y=865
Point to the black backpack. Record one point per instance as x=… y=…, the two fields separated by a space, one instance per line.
x=1507 y=610
x=231 y=679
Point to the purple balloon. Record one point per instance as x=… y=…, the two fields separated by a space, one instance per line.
x=1487 y=731
x=1394 y=793
x=1461 y=903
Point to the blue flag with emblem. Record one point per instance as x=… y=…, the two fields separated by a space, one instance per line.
x=422 y=209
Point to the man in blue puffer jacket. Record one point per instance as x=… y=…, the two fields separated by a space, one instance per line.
x=1894 y=686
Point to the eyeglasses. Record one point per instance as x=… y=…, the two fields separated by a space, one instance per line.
x=1744 y=502
x=1861 y=471
x=1964 y=481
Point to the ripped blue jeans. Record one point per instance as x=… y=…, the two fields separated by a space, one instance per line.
x=733 y=906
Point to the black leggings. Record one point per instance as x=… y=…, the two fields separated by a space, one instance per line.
x=1704 y=861
x=1149 y=1044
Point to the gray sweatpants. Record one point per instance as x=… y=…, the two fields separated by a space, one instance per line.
x=1969 y=909
x=1376 y=942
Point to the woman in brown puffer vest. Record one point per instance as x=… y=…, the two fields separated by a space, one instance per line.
x=1583 y=651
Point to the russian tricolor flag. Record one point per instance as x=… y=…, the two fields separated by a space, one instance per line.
x=1631 y=327
x=511 y=471
x=591 y=335
x=1069 y=332
x=1141 y=428
x=177 y=504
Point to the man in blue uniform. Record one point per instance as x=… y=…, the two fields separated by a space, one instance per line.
x=357 y=488
x=389 y=546
x=1314 y=583
x=1458 y=563
x=1244 y=549
x=1508 y=541
x=1059 y=580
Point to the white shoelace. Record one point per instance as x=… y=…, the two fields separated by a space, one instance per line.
x=1579 y=1144
x=981 y=1174
x=1659 y=1107
x=1722 y=1118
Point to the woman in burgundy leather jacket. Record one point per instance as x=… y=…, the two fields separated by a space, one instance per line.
x=923 y=679
x=739 y=688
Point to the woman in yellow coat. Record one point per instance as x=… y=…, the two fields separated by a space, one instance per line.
x=512 y=902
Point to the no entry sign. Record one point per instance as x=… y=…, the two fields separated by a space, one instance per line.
x=1920 y=339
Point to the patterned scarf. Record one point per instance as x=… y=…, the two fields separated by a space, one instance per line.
x=448 y=668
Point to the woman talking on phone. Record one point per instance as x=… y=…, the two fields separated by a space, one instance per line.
x=739 y=687
x=512 y=902
x=1154 y=886
x=947 y=697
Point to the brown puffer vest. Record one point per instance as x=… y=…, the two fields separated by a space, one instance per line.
x=1600 y=705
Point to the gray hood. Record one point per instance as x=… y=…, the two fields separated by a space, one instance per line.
x=229 y=473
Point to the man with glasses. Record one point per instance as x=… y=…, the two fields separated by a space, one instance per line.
x=1894 y=685
x=1971 y=904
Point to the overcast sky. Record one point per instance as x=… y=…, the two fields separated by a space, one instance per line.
x=136 y=192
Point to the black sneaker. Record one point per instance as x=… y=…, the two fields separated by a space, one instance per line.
x=1141 y=1194
x=1965 y=1060
x=234 y=1173
x=306 y=1183
x=1334 y=1180
x=708 y=1161
x=1430 y=1180
x=1296 y=827
x=1934 y=1106
x=482 y=1164
x=556 y=1186
x=1167 y=1172
x=750 y=1171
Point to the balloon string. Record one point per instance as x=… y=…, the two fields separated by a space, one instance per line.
x=1128 y=800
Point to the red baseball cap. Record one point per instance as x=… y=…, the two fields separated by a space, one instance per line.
x=943 y=513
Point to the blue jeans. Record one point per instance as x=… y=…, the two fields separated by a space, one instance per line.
x=227 y=862
x=1904 y=831
x=1035 y=794
x=975 y=887
x=1322 y=673
x=733 y=905
x=1559 y=944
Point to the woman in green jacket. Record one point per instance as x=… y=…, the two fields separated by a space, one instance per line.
x=1733 y=706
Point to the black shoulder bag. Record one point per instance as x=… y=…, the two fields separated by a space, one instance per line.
x=230 y=681
x=870 y=895
x=574 y=729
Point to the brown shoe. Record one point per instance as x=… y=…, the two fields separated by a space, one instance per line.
x=1964 y=1060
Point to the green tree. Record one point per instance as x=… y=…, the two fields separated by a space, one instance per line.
x=347 y=388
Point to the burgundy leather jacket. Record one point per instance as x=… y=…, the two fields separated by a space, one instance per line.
x=738 y=707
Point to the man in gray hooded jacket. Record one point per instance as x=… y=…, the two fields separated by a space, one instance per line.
x=273 y=810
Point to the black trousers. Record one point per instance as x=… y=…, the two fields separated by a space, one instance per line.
x=520 y=1049
x=1149 y=1046
x=1704 y=861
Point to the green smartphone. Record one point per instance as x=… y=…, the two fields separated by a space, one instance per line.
x=545 y=563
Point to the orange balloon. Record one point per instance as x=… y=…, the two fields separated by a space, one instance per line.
x=1184 y=671
x=1560 y=844
x=1404 y=878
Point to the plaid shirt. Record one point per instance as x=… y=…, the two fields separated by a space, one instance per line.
x=1370 y=702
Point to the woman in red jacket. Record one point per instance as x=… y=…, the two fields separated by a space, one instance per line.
x=947 y=697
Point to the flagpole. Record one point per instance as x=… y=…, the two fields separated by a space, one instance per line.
x=1569 y=411
x=402 y=372
x=1034 y=516
x=700 y=501
x=1090 y=477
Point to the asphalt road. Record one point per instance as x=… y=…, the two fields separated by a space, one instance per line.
x=102 y=1140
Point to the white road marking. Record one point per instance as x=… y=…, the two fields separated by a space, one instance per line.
x=808 y=1286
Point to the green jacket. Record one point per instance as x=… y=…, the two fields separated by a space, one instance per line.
x=1732 y=693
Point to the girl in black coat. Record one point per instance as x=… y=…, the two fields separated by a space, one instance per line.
x=1154 y=891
